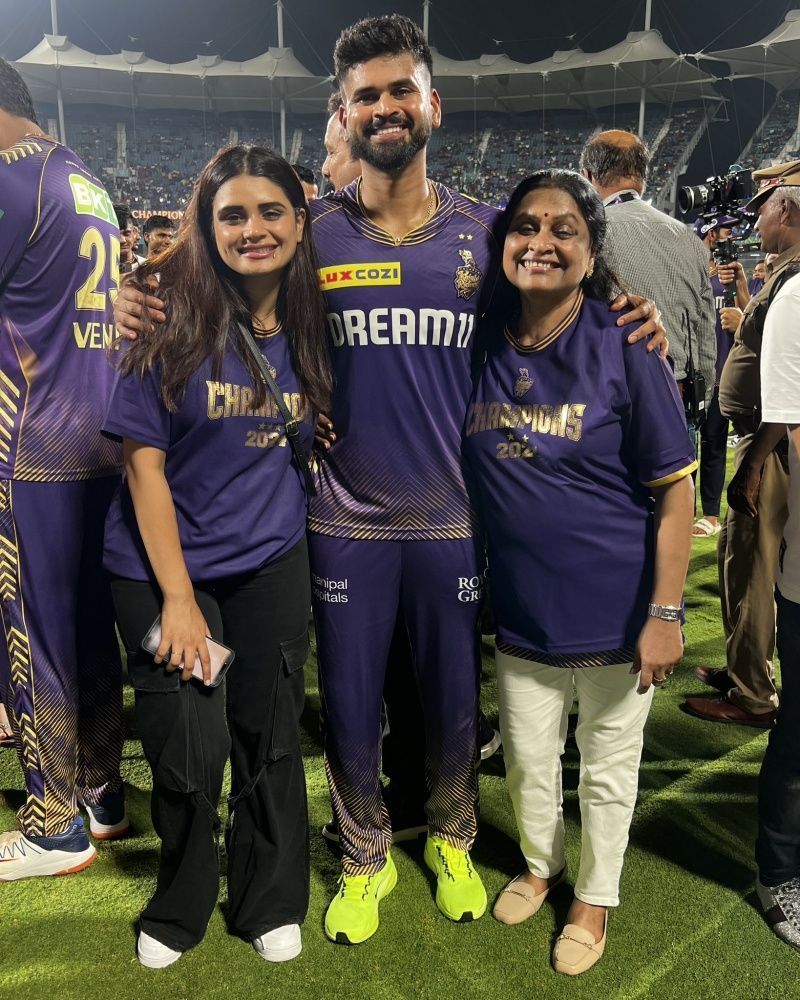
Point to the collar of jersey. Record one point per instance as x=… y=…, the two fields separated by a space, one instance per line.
x=554 y=334
x=444 y=209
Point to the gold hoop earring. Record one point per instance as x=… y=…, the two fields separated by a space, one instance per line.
x=590 y=269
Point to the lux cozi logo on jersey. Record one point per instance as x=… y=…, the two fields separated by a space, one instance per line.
x=91 y=199
x=365 y=275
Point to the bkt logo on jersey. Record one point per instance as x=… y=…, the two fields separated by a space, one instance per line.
x=470 y=589
x=90 y=199
x=362 y=275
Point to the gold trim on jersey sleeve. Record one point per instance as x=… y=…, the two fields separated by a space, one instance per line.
x=673 y=477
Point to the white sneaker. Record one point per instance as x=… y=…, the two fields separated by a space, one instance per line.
x=153 y=954
x=280 y=945
x=26 y=857
x=108 y=820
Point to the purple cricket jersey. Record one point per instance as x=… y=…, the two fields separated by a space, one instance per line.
x=401 y=318
x=59 y=270
x=564 y=441
x=724 y=340
x=238 y=502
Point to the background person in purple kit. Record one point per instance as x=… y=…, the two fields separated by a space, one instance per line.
x=571 y=426
x=729 y=289
x=756 y=283
x=59 y=665
x=209 y=530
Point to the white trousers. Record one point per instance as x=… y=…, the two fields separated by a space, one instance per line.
x=535 y=700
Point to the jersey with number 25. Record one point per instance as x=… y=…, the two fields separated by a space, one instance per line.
x=59 y=271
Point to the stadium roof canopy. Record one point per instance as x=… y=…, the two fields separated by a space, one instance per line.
x=570 y=79
x=776 y=58
x=575 y=79
x=132 y=77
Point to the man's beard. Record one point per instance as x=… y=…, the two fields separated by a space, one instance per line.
x=391 y=157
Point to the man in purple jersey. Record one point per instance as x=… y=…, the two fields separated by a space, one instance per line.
x=59 y=669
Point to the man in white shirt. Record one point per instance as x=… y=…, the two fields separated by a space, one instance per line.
x=778 y=843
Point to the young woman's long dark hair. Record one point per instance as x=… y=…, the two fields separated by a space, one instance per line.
x=602 y=283
x=203 y=299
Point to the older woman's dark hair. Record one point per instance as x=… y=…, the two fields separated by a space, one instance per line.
x=603 y=283
x=203 y=300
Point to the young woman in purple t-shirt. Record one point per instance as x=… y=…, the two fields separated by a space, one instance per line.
x=582 y=460
x=209 y=533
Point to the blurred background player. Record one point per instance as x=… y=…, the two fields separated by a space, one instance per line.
x=307 y=180
x=59 y=665
x=729 y=289
x=339 y=168
x=158 y=234
x=756 y=283
x=128 y=239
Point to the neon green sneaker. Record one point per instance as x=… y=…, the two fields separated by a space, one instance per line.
x=459 y=891
x=352 y=915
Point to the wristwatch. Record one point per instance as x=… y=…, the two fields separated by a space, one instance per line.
x=666 y=612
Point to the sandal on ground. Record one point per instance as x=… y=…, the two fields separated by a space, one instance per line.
x=518 y=901
x=705 y=529
x=576 y=949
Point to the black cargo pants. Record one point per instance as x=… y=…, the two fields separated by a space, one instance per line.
x=263 y=617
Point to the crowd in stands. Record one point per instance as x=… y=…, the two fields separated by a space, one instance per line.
x=778 y=129
x=149 y=159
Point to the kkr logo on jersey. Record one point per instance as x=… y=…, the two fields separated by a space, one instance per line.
x=468 y=276
x=90 y=199
x=363 y=275
x=523 y=384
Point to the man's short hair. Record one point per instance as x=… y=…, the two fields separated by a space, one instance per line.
x=372 y=37
x=608 y=161
x=15 y=98
x=334 y=102
x=304 y=173
x=157 y=222
x=124 y=217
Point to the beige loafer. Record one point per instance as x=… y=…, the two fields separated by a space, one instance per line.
x=576 y=949
x=518 y=901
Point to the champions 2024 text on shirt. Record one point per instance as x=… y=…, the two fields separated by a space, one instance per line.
x=238 y=502
x=59 y=270
x=566 y=442
x=402 y=324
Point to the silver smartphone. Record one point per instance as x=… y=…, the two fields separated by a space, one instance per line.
x=221 y=656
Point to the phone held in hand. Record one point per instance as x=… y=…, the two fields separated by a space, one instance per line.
x=221 y=656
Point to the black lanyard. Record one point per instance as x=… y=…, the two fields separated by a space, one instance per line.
x=292 y=425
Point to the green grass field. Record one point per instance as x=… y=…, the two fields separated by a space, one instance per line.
x=688 y=926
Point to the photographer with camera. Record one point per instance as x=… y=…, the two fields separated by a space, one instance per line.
x=729 y=288
x=751 y=535
x=657 y=254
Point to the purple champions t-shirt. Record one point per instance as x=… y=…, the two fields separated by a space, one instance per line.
x=564 y=442
x=59 y=269
x=238 y=493
x=401 y=319
x=724 y=340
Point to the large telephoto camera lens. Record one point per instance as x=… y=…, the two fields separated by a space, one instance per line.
x=690 y=198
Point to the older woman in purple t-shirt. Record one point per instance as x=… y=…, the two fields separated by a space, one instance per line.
x=209 y=533
x=579 y=446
